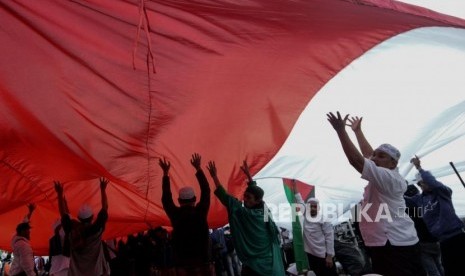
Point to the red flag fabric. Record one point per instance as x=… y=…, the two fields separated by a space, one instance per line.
x=105 y=88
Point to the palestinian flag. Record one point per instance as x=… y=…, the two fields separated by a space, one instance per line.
x=306 y=191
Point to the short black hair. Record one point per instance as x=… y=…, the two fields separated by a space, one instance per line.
x=23 y=226
x=256 y=191
x=411 y=191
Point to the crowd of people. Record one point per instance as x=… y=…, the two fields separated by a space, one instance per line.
x=429 y=240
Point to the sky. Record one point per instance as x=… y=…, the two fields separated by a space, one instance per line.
x=418 y=76
x=451 y=7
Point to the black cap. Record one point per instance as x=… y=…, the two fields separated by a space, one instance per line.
x=23 y=226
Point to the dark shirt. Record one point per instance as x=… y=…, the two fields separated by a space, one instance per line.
x=437 y=209
x=190 y=237
x=422 y=231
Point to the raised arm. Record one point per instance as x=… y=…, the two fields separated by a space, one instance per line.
x=353 y=155
x=196 y=162
x=211 y=167
x=416 y=162
x=426 y=176
x=297 y=195
x=30 y=207
x=365 y=147
x=246 y=170
x=61 y=198
x=66 y=204
x=166 y=198
x=226 y=199
x=103 y=193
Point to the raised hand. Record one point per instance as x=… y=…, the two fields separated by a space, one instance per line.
x=337 y=121
x=246 y=170
x=164 y=165
x=416 y=162
x=211 y=167
x=355 y=123
x=103 y=183
x=196 y=160
x=31 y=207
x=58 y=187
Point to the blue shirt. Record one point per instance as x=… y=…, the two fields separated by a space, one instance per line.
x=438 y=211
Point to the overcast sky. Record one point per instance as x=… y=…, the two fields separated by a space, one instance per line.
x=452 y=7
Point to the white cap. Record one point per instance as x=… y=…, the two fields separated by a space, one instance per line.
x=390 y=150
x=186 y=193
x=85 y=212
x=313 y=200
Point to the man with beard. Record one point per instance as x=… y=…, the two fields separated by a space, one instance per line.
x=318 y=237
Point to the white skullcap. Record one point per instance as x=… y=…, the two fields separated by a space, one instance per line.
x=85 y=212
x=390 y=150
x=186 y=193
x=313 y=200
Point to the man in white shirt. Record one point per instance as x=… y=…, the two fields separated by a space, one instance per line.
x=318 y=238
x=389 y=234
x=23 y=261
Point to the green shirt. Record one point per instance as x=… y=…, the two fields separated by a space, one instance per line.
x=256 y=241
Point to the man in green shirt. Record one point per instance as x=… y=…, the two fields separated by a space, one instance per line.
x=255 y=235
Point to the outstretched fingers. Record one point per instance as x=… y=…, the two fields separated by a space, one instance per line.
x=58 y=186
x=337 y=121
x=103 y=182
x=31 y=206
x=196 y=160
x=211 y=167
x=164 y=164
x=355 y=122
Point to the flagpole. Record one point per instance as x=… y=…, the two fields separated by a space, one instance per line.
x=457 y=173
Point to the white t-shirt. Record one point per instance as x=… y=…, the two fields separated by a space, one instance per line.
x=383 y=214
x=318 y=234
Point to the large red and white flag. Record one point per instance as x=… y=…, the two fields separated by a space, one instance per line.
x=105 y=88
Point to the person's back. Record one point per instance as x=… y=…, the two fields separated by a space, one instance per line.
x=85 y=235
x=87 y=256
x=429 y=245
x=58 y=251
x=190 y=236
